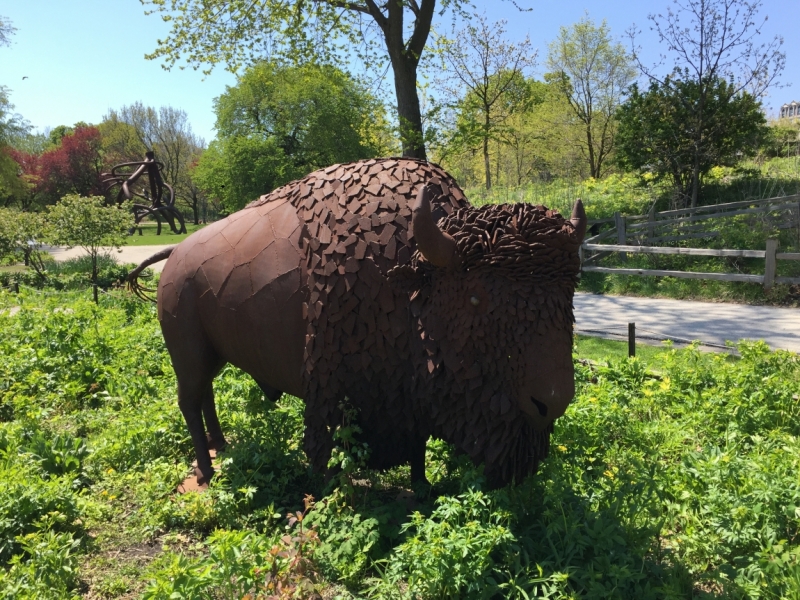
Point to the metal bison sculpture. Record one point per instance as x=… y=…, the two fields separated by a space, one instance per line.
x=376 y=286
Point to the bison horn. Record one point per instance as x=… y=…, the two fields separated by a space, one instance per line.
x=436 y=246
x=579 y=220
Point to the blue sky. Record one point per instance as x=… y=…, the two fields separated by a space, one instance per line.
x=83 y=57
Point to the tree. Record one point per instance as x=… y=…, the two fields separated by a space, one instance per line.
x=489 y=75
x=73 y=167
x=12 y=127
x=89 y=223
x=6 y=31
x=21 y=235
x=24 y=189
x=213 y=31
x=317 y=114
x=134 y=129
x=592 y=72
x=237 y=170
x=658 y=129
x=709 y=41
x=281 y=122
x=538 y=142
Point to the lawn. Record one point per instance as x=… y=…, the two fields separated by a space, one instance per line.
x=672 y=475
x=149 y=237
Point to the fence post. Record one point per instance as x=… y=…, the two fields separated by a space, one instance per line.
x=631 y=339
x=622 y=238
x=651 y=217
x=770 y=264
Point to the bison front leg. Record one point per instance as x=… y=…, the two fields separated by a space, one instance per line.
x=318 y=443
x=418 y=461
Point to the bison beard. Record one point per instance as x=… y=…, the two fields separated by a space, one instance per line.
x=380 y=329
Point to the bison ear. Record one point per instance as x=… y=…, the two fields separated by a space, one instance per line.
x=579 y=220
x=406 y=279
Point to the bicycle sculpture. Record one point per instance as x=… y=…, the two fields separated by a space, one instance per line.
x=158 y=208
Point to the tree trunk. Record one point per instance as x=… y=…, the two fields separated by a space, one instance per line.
x=408 y=110
x=486 y=162
x=695 y=178
x=195 y=209
x=590 y=147
x=94 y=278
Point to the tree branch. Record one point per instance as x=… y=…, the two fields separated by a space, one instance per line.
x=362 y=8
x=422 y=28
x=375 y=11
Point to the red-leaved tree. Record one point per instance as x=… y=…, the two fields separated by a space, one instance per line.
x=74 y=167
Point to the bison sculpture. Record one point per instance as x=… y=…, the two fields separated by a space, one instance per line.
x=376 y=286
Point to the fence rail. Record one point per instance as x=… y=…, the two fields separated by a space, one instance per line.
x=650 y=228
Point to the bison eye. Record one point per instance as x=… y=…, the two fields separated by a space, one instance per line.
x=474 y=300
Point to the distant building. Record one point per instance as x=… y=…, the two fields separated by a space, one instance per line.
x=791 y=110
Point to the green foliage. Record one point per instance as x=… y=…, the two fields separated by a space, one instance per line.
x=72 y=274
x=487 y=76
x=348 y=455
x=207 y=32
x=87 y=222
x=279 y=123
x=21 y=236
x=668 y=476
x=350 y=541
x=675 y=123
x=245 y=565
x=47 y=568
x=240 y=169
x=592 y=72
x=452 y=553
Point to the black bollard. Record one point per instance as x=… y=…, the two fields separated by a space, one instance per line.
x=631 y=339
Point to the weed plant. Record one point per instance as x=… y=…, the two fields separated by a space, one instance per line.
x=673 y=476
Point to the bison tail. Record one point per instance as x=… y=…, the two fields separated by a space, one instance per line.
x=146 y=293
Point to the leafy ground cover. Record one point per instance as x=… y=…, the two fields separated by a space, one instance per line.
x=672 y=475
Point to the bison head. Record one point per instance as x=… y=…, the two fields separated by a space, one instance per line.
x=491 y=301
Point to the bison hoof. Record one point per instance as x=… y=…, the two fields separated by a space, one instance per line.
x=203 y=479
x=217 y=443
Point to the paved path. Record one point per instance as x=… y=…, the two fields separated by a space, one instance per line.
x=129 y=254
x=709 y=322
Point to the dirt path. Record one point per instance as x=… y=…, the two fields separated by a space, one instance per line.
x=709 y=322
x=128 y=254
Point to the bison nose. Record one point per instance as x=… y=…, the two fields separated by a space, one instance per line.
x=547 y=402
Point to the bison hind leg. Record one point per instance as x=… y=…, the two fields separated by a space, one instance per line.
x=195 y=372
x=214 y=435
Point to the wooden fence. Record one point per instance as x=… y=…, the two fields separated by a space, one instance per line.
x=684 y=224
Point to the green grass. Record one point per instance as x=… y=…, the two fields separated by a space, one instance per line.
x=13 y=269
x=602 y=350
x=672 y=475
x=149 y=237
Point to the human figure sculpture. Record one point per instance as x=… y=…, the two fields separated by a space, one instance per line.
x=376 y=285
x=156 y=206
